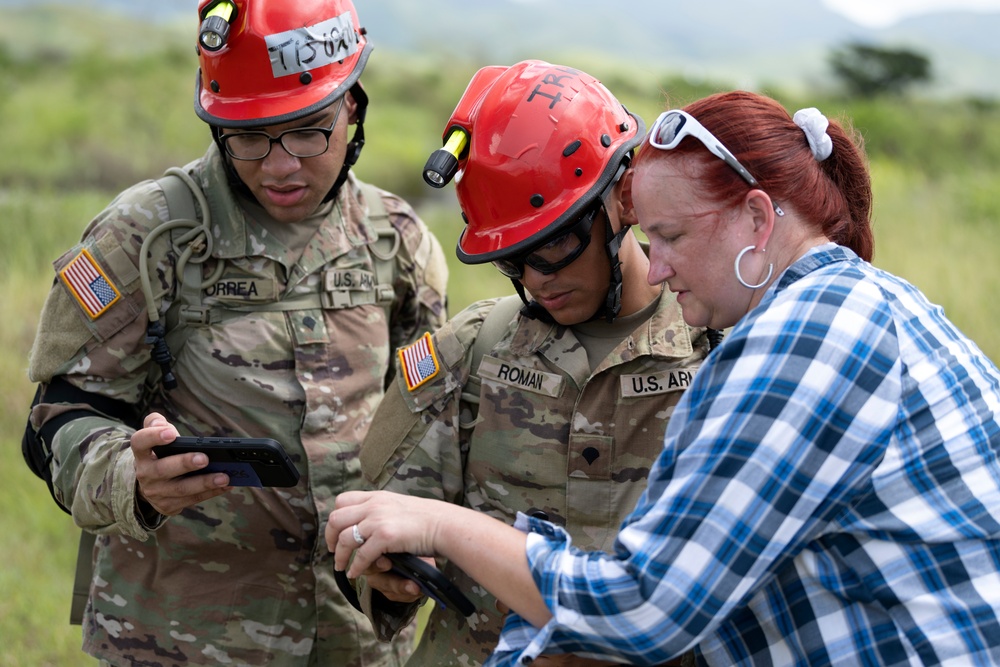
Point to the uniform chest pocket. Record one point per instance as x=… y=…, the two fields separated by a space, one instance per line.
x=517 y=452
x=640 y=425
x=346 y=287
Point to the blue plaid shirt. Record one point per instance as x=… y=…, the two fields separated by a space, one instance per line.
x=828 y=494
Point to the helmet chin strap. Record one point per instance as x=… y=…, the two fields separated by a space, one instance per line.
x=613 y=300
x=354 y=147
x=356 y=143
x=534 y=310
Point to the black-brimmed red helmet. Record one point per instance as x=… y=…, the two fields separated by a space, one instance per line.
x=543 y=143
x=281 y=60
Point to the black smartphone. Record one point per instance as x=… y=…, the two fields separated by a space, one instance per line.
x=434 y=584
x=247 y=461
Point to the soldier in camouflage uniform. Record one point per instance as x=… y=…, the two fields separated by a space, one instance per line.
x=578 y=380
x=289 y=329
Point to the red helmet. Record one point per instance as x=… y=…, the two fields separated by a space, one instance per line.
x=544 y=142
x=280 y=60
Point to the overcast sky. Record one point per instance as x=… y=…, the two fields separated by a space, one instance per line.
x=880 y=13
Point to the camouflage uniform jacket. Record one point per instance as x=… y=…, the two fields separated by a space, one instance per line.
x=550 y=436
x=244 y=578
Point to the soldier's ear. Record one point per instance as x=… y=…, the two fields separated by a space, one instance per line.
x=628 y=215
x=351 y=106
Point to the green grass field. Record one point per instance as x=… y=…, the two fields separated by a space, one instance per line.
x=69 y=147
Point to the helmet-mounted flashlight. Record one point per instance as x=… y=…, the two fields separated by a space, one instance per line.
x=214 y=31
x=442 y=165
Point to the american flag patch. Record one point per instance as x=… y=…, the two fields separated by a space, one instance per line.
x=419 y=361
x=89 y=284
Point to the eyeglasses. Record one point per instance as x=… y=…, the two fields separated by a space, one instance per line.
x=673 y=126
x=556 y=254
x=300 y=142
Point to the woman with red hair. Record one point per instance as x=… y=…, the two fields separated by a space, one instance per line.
x=829 y=487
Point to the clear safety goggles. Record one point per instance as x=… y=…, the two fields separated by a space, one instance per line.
x=556 y=254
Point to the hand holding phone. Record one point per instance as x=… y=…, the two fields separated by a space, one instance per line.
x=257 y=462
x=432 y=583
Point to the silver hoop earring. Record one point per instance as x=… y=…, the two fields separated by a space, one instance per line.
x=736 y=268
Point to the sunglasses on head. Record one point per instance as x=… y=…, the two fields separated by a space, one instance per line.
x=556 y=254
x=673 y=126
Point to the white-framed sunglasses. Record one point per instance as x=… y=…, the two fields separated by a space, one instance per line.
x=670 y=129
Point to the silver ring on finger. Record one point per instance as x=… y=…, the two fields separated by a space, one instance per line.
x=357 y=534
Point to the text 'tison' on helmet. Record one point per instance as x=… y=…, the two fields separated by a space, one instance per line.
x=280 y=61
x=543 y=142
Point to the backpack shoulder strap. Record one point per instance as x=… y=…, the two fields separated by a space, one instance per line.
x=180 y=200
x=384 y=248
x=180 y=205
x=494 y=327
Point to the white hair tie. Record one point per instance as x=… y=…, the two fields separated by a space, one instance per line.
x=814 y=124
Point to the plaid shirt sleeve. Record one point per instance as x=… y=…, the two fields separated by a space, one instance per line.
x=829 y=492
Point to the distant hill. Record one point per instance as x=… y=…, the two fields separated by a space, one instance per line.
x=734 y=41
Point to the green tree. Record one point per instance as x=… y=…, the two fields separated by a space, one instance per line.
x=867 y=70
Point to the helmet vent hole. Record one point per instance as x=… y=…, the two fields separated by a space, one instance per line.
x=572 y=148
x=605 y=140
x=623 y=127
x=215 y=86
x=537 y=200
x=305 y=78
x=579 y=171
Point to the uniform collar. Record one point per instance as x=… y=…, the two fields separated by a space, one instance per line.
x=664 y=335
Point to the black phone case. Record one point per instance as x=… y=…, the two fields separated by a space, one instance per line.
x=434 y=584
x=255 y=462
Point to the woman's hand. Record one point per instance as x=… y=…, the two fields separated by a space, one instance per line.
x=385 y=523
x=367 y=524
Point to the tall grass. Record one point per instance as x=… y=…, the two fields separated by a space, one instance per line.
x=37 y=540
x=76 y=130
x=943 y=235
